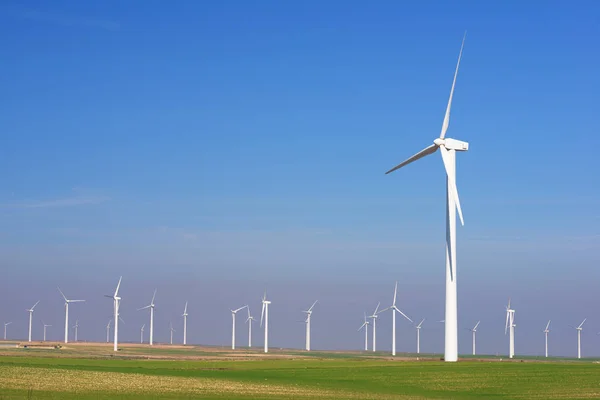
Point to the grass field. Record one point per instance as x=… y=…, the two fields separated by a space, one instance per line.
x=41 y=374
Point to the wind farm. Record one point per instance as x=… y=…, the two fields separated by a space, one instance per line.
x=237 y=159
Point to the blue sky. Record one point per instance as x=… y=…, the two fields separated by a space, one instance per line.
x=217 y=149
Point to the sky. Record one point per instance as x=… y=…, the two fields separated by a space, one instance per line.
x=214 y=150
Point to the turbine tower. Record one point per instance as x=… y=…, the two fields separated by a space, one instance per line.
x=249 y=321
x=185 y=315
x=546 y=331
x=142 y=334
x=67 y=302
x=474 y=331
x=5 y=325
x=579 y=329
x=30 y=311
x=265 y=314
x=233 y=313
x=307 y=321
x=45 y=326
x=418 y=327
x=448 y=148
x=394 y=311
x=76 y=327
x=151 y=307
x=116 y=302
x=374 y=318
x=510 y=322
x=365 y=325
x=108 y=331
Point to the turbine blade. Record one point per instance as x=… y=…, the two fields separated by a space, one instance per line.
x=506 y=326
x=76 y=301
x=404 y=315
x=395 y=293
x=362 y=326
x=425 y=152
x=118 y=285
x=34 y=305
x=420 y=323
x=153 y=296
x=583 y=322
x=143 y=308
x=451 y=182
x=311 y=307
x=262 y=314
x=63 y=295
x=384 y=310
x=447 y=116
x=377 y=308
x=476 y=325
x=185 y=308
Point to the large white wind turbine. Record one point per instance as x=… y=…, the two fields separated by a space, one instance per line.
x=108 y=331
x=172 y=330
x=365 y=325
x=474 y=331
x=546 y=331
x=67 y=302
x=418 y=328
x=265 y=315
x=233 y=313
x=116 y=302
x=307 y=321
x=185 y=315
x=374 y=318
x=45 y=326
x=249 y=321
x=448 y=148
x=510 y=322
x=142 y=333
x=76 y=327
x=579 y=329
x=30 y=311
x=151 y=307
x=5 y=325
x=395 y=309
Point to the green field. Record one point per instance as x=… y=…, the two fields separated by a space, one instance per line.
x=40 y=376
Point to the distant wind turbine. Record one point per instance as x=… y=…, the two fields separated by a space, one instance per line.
x=142 y=333
x=394 y=311
x=474 y=331
x=5 y=325
x=76 y=326
x=45 y=326
x=579 y=329
x=265 y=315
x=172 y=330
x=185 y=315
x=418 y=328
x=108 y=331
x=365 y=326
x=374 y=317
x=510 y=322
x=67 y=302
x=307 y=321
x=448 y=148
x=151 y=307
x=30 y=311
x=249 y=321
x=546 y=331
x=116 y=302
x=233 y=313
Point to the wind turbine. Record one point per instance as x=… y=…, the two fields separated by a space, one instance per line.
x=249 y=321
x=142 y=334
x=265 y=314
x=579 y=329
x=108 y=331
x=45 y=326
x=374 y=317
x=366 y=326
x=172 y=330
x=233 y=312
x=474 y=331
x=116 y=301
x=185 y=315
x=67 y=302
x=30 y=311
x=307 y=321
x=76 y=326
x=418 y=327
x=5 y=325
x=448 y=148
x=394 y=311
x=151 y=307
x=546 y=331
x=510 y=321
